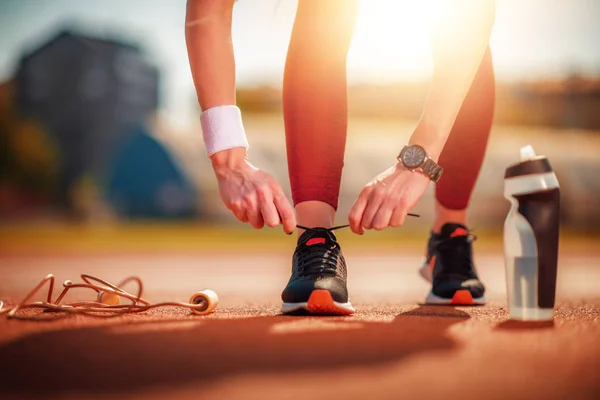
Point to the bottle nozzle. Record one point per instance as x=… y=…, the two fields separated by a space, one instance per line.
x=527 y=153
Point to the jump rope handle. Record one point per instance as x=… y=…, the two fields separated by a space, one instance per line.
x=205 y=300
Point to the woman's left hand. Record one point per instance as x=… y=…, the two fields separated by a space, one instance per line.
x=387 y=199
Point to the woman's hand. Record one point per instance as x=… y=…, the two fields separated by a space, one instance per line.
x=252 y=195
x=387 y=199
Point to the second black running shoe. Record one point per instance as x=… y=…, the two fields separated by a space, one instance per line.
x=449 y=267
x=318 y=281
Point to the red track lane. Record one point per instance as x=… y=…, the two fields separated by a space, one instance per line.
x=392 y=348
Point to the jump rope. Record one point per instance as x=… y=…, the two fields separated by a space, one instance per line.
x=108 y=298
x=107 y=303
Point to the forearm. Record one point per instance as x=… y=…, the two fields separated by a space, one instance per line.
x=210 y=51
x=212 y=63
x=459 y=39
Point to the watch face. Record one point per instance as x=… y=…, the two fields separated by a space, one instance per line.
x=413 y=156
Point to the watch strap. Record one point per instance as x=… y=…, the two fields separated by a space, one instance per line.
x=432 y=169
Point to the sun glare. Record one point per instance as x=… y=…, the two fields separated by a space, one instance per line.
x=392 y=37
x=390 y=42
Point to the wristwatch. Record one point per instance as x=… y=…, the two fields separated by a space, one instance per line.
x=415 y=158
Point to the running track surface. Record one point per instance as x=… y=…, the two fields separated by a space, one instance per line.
x=392 y=348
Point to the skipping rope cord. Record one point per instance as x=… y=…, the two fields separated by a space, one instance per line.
x=107 y=303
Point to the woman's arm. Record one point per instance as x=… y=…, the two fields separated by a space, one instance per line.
x=212 y=62
x=210 y=51
x=251 y=194
x=460 y=34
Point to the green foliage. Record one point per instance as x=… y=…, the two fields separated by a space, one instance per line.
x=29 y=160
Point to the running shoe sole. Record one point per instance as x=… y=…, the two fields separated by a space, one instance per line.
x=461 y=297
x=320 y=302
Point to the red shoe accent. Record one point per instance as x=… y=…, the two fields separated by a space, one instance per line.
x=462 y=297
x=459 y=232
x=312 y=241
x=321 y=302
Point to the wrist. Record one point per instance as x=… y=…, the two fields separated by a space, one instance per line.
x=233 y=158
x=414 y=157
x=430 y=137
x=222 y=129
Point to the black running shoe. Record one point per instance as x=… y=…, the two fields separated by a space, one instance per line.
x=318 y=281
x=449 y=267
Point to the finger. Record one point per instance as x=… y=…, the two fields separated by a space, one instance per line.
x=267 y=208
x=269 y=214
x=286 y=212
x=375 y=201
x=382 y=217
x=356 y=212
x=255 y=218
x=253 y=211
x=239 y=210
x=398 y=217
x=241 y=214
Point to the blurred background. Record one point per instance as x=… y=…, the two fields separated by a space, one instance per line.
x=99 y=123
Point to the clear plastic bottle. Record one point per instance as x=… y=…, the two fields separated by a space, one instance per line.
x=531 y=232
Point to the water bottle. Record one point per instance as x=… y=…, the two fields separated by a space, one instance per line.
x=531 y=237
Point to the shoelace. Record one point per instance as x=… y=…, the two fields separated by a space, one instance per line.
x=456 y=254
x=335 y=228
x=323 y=262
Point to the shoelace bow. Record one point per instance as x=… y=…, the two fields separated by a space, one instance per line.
x=318 y=263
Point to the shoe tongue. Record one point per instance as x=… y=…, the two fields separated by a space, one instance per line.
x=316 y=235
x=453 y=230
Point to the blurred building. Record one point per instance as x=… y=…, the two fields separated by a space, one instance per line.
x=90 y=94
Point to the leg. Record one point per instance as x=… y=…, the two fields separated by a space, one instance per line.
x=314 y=110
x=449 y=263
x=314 y=106
x=465 y=148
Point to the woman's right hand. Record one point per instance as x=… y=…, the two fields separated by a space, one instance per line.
x=252 y=195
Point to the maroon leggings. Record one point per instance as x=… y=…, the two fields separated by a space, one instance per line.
x=315 y=114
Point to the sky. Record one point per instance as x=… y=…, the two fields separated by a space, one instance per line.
x=531 y=39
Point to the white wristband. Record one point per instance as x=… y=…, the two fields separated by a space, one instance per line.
x=222 y=129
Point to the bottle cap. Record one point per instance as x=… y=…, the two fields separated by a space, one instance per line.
x=527 y=153
x=529 y=164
